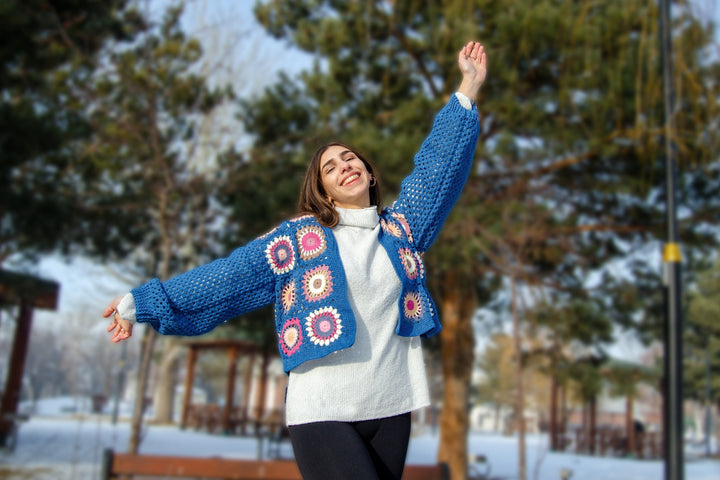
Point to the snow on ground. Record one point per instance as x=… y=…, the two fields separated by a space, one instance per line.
x=59 y=443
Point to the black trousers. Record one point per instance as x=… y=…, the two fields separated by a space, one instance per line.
x=367 y=450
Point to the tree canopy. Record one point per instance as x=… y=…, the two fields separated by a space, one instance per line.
x=48 y=52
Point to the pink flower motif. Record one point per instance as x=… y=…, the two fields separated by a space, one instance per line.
x=412 y=306
x=409 y=263
x=291 y=336
x=311 y=242
x=323 y=326
x=317 y=283
x=280 y=255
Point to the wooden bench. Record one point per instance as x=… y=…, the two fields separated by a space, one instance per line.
x=124 y=465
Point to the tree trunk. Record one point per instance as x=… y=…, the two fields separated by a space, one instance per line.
x=150 y=335
x=496 y=423
x=167 y=380
x=585 y=426
x=554 y=444
x=630 y=424
x=563 y=415
x=148 y=343
x=519 y=393
x=457 y=341
x=716 y=422
x=592 y=430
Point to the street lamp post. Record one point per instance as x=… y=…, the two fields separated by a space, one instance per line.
x=673 y=392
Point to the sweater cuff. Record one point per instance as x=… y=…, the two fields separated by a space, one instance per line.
x=464 y=100
x=126 y=308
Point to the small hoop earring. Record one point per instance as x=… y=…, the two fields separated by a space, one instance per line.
x=373 y=182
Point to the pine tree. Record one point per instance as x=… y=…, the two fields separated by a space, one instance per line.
x=48 y=51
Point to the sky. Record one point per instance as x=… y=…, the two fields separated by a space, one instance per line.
x=237 y=49
x=709 y=9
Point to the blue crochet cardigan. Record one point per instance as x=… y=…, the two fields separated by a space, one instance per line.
x=297 y=265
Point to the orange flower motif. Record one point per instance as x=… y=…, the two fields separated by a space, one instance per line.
x=404 y=223
x=288 y=295
x=390 y=228
x=291 y=336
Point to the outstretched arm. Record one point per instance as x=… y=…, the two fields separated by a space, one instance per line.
x=472 y=63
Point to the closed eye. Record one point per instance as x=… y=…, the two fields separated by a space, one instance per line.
x=345 y=156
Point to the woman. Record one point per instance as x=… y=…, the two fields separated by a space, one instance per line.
x=348 y=285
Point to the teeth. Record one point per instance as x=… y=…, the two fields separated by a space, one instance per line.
x=350 y=178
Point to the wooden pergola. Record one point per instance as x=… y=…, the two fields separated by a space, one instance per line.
x=230 y=419
x=28 y=293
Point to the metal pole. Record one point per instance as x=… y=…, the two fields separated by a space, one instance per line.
x=672 y=405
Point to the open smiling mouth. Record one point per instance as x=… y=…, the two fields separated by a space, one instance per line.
x=350 y=179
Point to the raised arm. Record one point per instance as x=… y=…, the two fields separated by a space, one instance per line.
x=443 y=162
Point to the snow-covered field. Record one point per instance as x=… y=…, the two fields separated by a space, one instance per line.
x=59 y=444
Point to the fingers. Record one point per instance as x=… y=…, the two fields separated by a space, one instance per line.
x=475 y=51
x=467 y=49
x=472 y=57
x=473 y=66
x=112 y=325
x=122 y=329
x=119 y=328
x=112 y=307
x=119 y=336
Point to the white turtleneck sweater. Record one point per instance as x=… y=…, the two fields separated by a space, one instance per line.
x=382 y=374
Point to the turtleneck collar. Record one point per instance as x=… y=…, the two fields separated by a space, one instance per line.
x=358 y=217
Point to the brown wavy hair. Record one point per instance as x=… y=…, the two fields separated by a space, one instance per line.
x=313 y=198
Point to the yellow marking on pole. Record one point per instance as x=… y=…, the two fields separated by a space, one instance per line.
x=671 y=253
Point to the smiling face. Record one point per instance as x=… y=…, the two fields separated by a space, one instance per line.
x=345 y=178
x=322 y=190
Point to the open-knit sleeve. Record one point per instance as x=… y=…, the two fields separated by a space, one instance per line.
x=441 y=169
x=197 y=301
